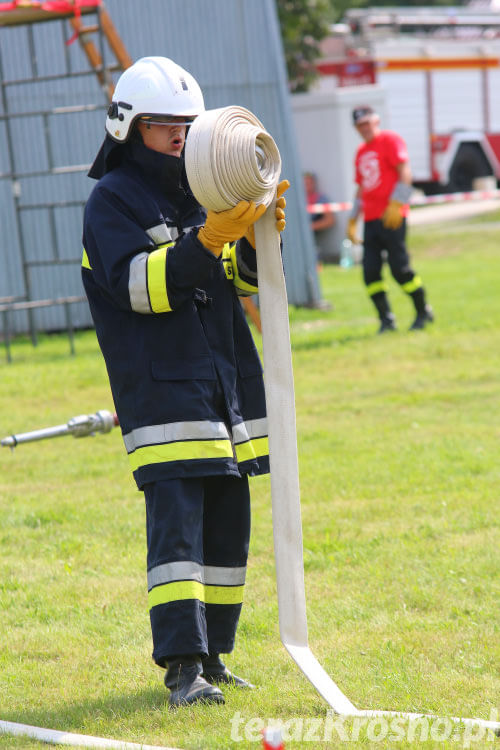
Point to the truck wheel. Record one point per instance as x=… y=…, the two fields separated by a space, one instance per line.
x=470 y=162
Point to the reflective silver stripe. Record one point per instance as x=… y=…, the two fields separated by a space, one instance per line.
x=137 y=280
x=218 y=576
x=158 y=434
x=160 y=234
x=174 y=571
x=210 y=575
x=240 y=433
x=252 y=428
x=137 y=284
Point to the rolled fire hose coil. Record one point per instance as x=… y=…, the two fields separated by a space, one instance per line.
x=231 y=157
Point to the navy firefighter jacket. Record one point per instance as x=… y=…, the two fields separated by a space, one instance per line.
x=184 y=371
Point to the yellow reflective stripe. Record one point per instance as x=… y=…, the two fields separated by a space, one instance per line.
x=224 y=594
x=244 y=287
x=157 y=279
x=375 y=287
x=413 y=285
x=238 y=281
x=181 y=590
x=227 y=262
x=176 y=591
x=85 y=260
x=251 y=449
x=180 y=451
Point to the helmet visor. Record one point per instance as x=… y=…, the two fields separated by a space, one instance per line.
x=167 y=120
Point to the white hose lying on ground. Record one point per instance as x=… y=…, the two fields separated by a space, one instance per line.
x=53 y=736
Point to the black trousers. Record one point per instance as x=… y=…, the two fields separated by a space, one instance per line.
x=377 y=239
x=198 y=532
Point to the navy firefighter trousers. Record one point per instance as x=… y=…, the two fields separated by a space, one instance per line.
x=198 y=532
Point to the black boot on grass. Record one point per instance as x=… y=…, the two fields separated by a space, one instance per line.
x=387 y=323
x=422 y=319
x=216 y=673
x=387 y=319
x=186 y=685
x=424 y=311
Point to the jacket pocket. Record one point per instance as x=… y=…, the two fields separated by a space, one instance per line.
x=196 y=368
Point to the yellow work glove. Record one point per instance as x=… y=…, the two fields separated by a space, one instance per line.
x=352 y=231
x=279 y=213
x=392 y=217
x=227 y=226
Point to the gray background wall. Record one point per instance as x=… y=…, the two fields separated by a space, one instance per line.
x=232 y=47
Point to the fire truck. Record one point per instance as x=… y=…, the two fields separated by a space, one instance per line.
x=440 y=69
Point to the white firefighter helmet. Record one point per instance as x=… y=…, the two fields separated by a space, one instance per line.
x=152 y=86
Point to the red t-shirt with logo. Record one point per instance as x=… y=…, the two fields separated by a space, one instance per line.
x=376 y=172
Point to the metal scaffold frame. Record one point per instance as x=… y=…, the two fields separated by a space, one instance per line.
x=96 y=53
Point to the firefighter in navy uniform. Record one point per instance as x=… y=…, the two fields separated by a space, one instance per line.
x=162 y=277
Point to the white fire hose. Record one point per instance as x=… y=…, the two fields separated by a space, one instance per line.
x=230 y=157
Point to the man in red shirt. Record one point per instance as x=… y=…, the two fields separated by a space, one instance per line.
x=383 y=177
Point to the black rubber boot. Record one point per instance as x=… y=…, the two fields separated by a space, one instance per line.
x=186 y=685
x=422 y=319
x=387 y=319
x=216 y=673
x=424 y=311
x=387 y=323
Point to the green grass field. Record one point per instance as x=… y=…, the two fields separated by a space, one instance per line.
x=399 y=440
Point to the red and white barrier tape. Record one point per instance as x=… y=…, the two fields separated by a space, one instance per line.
x=321 y=208
x=418 y=200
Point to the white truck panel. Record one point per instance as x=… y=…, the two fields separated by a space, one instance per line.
x=494 y=99
x=408 y=116
x=457 y=100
